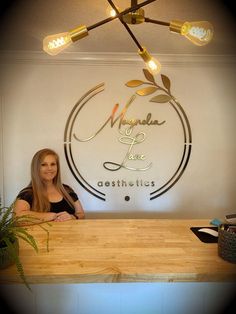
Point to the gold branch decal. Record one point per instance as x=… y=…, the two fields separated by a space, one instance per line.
x=160 y=98
x=146 y=91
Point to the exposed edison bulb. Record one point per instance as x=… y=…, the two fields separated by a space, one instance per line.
x=54 y=44
x=199 y=33
x=111 y=12
x=152 y=64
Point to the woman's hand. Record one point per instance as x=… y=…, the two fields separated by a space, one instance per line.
x=50 y=216
x=79 y=212
x=80 y=215
x=63 y=216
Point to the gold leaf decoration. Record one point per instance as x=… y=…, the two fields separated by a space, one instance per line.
x=165 y=81
x=161 y=98
x=134 y=83
x=148 y=76
x=146 y=91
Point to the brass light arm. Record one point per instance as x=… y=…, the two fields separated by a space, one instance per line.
x=199 y=33
x=120 y=14
x=146 y=19
x=134 y=2
x=126 y=26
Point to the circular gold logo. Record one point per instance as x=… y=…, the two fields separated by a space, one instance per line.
x=134 y=138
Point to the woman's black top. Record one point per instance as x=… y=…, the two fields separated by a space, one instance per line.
x=56 y=207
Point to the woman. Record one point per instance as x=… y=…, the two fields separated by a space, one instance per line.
x=46 y=197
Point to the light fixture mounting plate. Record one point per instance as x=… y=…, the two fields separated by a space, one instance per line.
x=135 y=17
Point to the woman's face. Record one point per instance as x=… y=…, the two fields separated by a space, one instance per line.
x=48 y=168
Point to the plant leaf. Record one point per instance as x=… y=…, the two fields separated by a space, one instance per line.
x=134 y=83
x=165 y=81
x=6 y=213
x=146 y=91
x=148 y=76
x=13 y=227
x=161 y=98
x=47 y=241
x=17 y=261
x=24 y=235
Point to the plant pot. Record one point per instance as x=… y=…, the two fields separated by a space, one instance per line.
x=6 y=256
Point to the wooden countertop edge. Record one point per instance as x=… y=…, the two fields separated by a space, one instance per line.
x=120 y=278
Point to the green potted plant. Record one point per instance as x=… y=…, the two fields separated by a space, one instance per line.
x=13 y=228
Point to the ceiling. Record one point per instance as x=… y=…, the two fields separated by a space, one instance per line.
x=24 y=24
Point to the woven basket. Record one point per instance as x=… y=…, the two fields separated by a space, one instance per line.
x=227 y=244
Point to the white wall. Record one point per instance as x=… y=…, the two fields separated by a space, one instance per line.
x=39 y=92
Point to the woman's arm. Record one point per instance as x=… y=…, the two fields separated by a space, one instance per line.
x=79 y=212
x=22 y=208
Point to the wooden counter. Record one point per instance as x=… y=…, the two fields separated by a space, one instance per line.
x=121 y=250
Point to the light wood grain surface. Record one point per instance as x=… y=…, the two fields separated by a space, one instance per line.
x=121 y=250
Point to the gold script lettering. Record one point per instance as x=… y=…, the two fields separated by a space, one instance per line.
x=122 y=120
x=131 y=141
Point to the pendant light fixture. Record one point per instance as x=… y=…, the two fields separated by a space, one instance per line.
x=199 y=33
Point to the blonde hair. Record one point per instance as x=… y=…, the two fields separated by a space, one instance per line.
x=40 y=200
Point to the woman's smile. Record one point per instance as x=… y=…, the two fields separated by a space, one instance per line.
x=48 y=168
